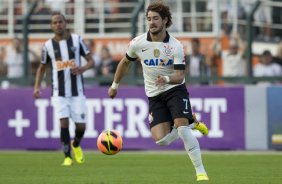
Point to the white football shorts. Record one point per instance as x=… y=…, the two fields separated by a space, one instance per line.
x=70 y=107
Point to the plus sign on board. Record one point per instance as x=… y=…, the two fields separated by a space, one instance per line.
x=18 y=123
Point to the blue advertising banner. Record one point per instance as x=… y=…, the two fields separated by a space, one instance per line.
x=26 y=123
x=274 y=103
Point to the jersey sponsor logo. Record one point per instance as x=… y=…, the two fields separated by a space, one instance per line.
x=61 y=65
x=157 y=62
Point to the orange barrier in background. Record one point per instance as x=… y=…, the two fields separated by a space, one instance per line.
x=118 y=47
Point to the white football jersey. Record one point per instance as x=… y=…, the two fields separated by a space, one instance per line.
x=157 y=58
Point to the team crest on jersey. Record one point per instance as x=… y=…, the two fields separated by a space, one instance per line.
x=156 y=53
x=82 y=116
x=168 y=50
x=73 y=48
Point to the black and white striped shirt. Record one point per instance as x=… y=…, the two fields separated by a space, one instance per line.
x=63 y=56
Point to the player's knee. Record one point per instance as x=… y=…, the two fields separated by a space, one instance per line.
x=181 y=123
x=64 y=122
x=80 y=127
x=163 y=141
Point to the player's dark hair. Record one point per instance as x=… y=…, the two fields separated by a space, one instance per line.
x=55 y=13
x=162 y=9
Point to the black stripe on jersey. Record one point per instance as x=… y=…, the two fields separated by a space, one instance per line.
x=61 y=76
x=71 y=50
x=83 y=48
x=45 y=58
x=130 y=58
x=179 y=67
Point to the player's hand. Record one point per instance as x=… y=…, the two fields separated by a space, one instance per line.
x=112 y=92
x=36 y=93
x=77 y=70
x=160 y=81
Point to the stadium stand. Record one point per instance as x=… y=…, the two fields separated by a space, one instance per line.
x=108 y=22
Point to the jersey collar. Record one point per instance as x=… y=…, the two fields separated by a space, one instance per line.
x=150 y=39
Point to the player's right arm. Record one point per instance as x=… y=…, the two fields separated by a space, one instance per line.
x=39 y=75
x=122 y=69
x=40 y=72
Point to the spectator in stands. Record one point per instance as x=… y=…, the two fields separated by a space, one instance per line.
x=3 y=21
x=66 y=6
x=39 y=18
x=18 y=11
x=108 y=66
x=3 y=67
x=93 y=71
x=263 y=15
x=266 y=67
x=224 y=9
x=277 y=19
x=91 y=16
x=14 y=59
x=198 y=64
x=203 y=22
x=233 y=60
x=57 y=5
x=111 y=10
x=278 y=58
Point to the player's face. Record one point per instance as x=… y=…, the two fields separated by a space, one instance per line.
x=58 y=24
x=155 y=22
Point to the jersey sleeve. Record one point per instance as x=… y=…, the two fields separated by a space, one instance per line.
x=179 y=58
x=45 y=58
x=84 y=50
x=131 y=52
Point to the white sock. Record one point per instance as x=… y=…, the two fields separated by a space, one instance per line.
x=191 y=125
x=192 y=147
x=169 y=138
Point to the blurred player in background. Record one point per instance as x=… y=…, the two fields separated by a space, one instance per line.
x=163 y=62
x=63 y=51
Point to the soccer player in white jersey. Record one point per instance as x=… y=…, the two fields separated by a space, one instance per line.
x=163 y=62
x=64 y=53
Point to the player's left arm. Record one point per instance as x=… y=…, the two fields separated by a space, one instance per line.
x=90 y=62
x=86 y=53
x=177 y=78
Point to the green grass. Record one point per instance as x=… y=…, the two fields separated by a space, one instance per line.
x=140 y=168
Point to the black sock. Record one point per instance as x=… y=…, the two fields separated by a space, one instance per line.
x=65 y=140
x=78 y=136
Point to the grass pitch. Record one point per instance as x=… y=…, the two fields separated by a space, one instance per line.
x=127 y=167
